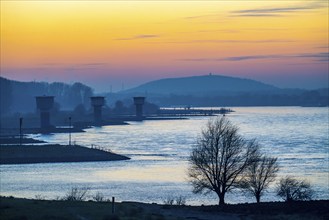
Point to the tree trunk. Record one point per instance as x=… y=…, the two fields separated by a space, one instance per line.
x=221 y=198
x=257 y=197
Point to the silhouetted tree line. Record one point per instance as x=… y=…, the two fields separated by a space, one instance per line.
x=303 y=98
x=5 y=95
x=20 y=96
x=126 y=107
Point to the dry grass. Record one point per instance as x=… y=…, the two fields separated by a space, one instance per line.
x=26 y=209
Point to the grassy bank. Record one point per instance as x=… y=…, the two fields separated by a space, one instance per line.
x=13 y=154
x=17 y=140
x=24 y=209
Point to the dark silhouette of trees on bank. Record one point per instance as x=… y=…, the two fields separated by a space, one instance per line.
x=259 y=175
x=124 y=107
x=299 y=97
x=220 y=158
x=6 y=93
x=20 y=96
x=291 y=189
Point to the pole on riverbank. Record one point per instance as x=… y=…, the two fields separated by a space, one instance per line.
x=113 y=208
x=70 y=130
x=20 y=131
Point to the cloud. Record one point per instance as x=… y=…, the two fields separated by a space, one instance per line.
x=78 y=64
x=318 y=57
x=322 y=47
x=236 y=58
x=244 y=41
x=231 y=41
x=279 y=11
x=197 y=59
x=264 y=29
x=198 y=16
x=257 y=57
x=257 y=15
x=140 y=36
x=219 y=30
x=213 y=17
x=233 y=31
x=51 y=64
x=73 y=66
x=92 y=64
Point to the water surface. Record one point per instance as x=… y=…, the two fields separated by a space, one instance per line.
x=160 y=149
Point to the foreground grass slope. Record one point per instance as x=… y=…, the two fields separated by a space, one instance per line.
x=23 y=209
x=11 y=208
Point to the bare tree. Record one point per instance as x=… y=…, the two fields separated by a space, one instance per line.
x=219 y=158
x=291 y=189
x=259 y=175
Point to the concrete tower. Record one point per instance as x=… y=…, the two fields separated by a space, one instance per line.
x=45 y=104
x=139 y=102
x=97 y=102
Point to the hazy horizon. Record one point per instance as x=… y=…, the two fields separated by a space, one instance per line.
x=112 y=45
x=118 y=88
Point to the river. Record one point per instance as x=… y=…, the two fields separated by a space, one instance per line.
x=159 y=153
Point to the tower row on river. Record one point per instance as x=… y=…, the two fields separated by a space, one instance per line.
x=46 y=103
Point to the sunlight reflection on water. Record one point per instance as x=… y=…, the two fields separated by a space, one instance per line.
x=159 y=152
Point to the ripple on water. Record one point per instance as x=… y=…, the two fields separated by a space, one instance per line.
x=160 y=150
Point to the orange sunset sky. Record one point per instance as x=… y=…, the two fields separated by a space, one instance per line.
x=125 y=43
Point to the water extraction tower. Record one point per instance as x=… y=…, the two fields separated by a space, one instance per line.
x=45 y=104
x=139 y=102
x=97 y=102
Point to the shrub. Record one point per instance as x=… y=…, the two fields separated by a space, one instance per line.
x=291 y=189
x=169 y=201
x=99 y=197
x=180 y=200
x=39 y=197
x=76 y=194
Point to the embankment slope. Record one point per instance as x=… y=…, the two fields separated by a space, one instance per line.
x=54 y=154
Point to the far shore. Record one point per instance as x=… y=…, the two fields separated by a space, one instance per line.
x=54 y=153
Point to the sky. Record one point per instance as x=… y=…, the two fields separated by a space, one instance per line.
x=115 y=45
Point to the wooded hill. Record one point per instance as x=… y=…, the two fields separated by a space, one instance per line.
x=217 y=90
x=208 y=85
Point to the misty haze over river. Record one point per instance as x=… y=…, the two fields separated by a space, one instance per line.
x=159 y=153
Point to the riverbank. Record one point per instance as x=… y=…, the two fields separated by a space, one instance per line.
x=14 y=208
x=54 y=153
x=12 y=139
